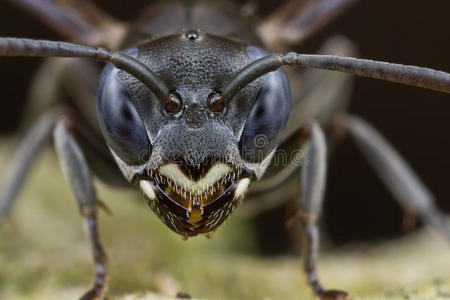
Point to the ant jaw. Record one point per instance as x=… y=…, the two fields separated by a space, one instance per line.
x=191 y=207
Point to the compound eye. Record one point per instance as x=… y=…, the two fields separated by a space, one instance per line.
x=267 y=119
x=121 y=124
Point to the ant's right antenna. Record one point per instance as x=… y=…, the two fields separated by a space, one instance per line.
x=41 y=48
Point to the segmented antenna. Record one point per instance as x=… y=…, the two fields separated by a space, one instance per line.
x=409 y=75
x=41 y=48
x=249 y=73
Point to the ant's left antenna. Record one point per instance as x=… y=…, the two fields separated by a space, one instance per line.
x=409 y=75
x=41 y=48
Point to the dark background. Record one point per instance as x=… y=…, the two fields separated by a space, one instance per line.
x=416 y=121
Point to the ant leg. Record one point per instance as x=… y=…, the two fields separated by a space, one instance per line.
x=77 y=20
x=396 y=174
x=55 y=78
x=72 y=83
x=77 y=174
x=296 y=20
x=274 y=197
x=311 y=101
x=313 y=185
x=14 y=176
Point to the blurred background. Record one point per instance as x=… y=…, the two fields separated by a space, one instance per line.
x=416 y=121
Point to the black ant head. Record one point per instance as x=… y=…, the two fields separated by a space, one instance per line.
x=193 y=154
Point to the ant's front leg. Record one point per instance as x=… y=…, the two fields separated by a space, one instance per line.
x=312 y=188
x=77 y=174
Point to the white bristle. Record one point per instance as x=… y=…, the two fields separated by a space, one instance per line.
x=148 y=190
x=241 y=188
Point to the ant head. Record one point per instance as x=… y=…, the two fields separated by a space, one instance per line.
x=193 y=152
